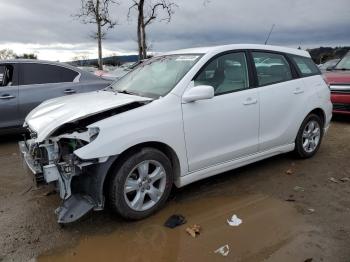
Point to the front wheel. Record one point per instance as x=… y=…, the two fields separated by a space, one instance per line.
x=141 y=185
x=309 y=137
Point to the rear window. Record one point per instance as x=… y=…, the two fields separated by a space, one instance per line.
x=32 y=73
x=306 y=66
x=271 y=68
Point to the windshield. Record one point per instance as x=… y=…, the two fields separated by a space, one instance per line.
x=157 y=76
x=344 y=64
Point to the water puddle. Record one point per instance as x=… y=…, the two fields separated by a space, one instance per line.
x=268 y=224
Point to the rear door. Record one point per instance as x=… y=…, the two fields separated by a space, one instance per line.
x=9 y=96
x=40 y=82
x=281 y=95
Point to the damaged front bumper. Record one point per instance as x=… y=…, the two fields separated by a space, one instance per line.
x=80 y=183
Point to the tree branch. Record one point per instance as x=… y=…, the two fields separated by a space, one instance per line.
x=166 y=6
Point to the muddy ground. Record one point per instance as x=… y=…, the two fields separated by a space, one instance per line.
x=290 y=209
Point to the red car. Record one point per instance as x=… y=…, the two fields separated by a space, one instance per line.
x=339 y=82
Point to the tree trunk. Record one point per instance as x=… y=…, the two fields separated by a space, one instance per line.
x=144 y=45
x=99 y=35
x=139 y=37
x=99 y=40
x=141 y=34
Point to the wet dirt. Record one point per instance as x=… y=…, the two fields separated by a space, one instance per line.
x=267 y=225
x=314 y=223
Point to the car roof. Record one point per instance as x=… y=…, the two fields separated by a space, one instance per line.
x=26 y=61
x=223 y=48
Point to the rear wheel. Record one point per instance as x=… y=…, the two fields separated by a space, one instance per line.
x=309 y=137
x=141 y=185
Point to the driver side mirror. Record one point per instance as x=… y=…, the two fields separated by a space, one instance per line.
x=196 y=93
x=330 y=68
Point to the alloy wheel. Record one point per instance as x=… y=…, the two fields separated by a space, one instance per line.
x=311 y=136
x=145 y=185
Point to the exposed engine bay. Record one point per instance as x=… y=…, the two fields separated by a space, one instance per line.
x=79 y=182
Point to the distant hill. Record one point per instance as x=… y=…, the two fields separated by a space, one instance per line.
x=112 y=60
x=321 y=55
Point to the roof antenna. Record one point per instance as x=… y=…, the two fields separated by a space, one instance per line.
x=268 y=37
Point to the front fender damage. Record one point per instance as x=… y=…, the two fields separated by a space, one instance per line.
x=87 y=192
x=79 y=182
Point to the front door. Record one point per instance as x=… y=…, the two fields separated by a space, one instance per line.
x=225 y=127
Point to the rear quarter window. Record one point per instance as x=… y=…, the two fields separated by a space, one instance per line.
x=305 y=66
x=32 y=73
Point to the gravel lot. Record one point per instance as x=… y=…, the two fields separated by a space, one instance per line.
x=290 y=209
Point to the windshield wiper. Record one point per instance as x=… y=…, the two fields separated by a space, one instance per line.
x=342 y=69
x=128 y=93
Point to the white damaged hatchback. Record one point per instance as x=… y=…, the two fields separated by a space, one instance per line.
x=175 y=119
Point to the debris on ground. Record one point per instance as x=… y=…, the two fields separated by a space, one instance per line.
x=234 y=221
x=308 y=259
x=311 y=210
x=26 y=191
x=290 y=200
x=334 y=180
x=49 y=193
x=299 y=188
x=193 y=230
x=224 y=250
x=36 y=240
x=289 y=172
x=175 y=220
x=344 y=179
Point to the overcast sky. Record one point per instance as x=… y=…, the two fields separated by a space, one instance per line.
x=48 y=28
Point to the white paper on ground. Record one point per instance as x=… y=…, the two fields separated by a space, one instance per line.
x=224 y=250
x=234 y=221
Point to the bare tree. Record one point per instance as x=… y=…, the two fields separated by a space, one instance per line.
x=97 y=12
x=6 y=54
x=80 y=59
x=147 y=12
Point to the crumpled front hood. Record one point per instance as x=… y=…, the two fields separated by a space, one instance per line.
x=52 y=114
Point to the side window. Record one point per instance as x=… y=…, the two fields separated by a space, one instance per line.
x=227 y=73
x=306 y=66
x=271 y=68
x=68 y=75
x=7 y=75
x=32 y=73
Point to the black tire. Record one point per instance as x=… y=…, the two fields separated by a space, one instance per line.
x=117 y=200
x=299 y=150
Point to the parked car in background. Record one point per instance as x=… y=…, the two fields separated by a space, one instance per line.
x=90 y=69
x=119 y=72
x=338 y=80
x=26 y=83
x=329 y=65
x=177 y=118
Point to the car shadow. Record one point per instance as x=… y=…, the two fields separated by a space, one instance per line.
x=341 y=118
x=11 y=138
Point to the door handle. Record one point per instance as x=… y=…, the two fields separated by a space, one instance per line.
x=298 y=90
x=6 y=97
x=69 y=91
x=250 y=101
